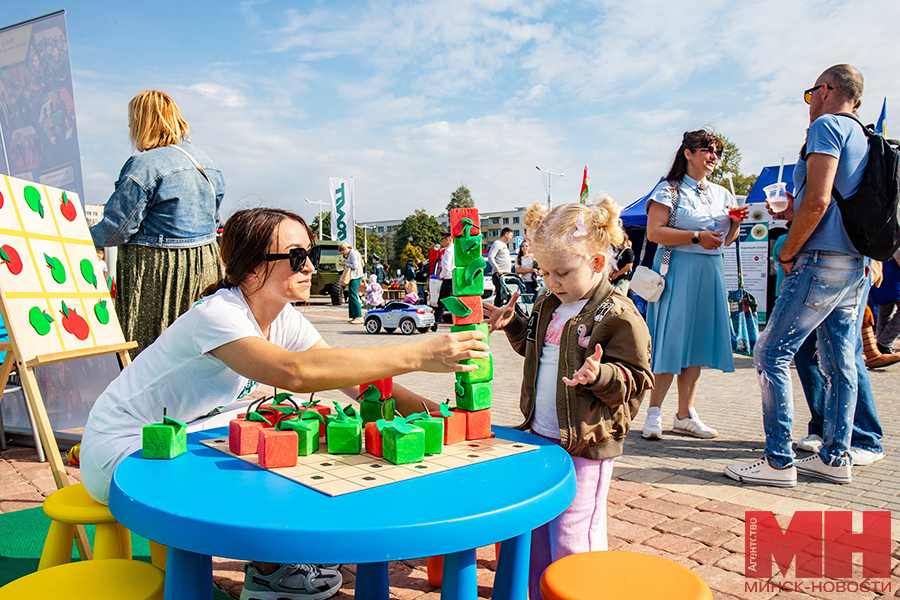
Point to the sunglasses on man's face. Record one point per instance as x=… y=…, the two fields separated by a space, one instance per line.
x=807 y=95
x=298 y=257
x=712 y=150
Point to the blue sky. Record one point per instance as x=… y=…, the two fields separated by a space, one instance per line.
x=415 y=98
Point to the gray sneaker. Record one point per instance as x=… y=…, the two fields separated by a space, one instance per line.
x=291 y=582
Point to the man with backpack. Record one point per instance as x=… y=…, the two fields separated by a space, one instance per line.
x=824 y=286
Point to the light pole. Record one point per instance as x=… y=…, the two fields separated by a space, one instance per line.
x=320 y=203
x=550 y=175
x=365 y=241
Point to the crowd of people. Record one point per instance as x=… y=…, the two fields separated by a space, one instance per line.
x=200 y=356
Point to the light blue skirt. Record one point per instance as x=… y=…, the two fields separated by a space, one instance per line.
x=689 y=325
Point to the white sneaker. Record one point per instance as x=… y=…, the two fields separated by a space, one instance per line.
x=653 y=424
x=862 y=457
x=811 y=443
x=814 y=467
x=762 y=473
x=693 y=426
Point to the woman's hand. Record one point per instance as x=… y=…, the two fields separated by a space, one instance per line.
x=442 y=354
x=589 y=372
x=711 y=240
x=498 y=318
x=740 y=212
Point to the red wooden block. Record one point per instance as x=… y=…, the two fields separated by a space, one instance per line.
x=454 y=427
x=322 y=410
x=277 y=448
x=271 y=416
x=478 y=423
x=373 y=439
x=477 y=314
x=385 y=386
x=456 y=217
x=243 y=436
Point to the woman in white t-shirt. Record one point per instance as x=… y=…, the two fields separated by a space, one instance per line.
x=244 y=332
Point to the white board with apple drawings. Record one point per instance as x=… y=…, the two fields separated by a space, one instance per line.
x=52 y=291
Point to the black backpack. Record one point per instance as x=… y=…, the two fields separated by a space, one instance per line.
x=871 y=216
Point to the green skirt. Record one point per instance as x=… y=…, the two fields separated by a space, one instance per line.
x=156 y=285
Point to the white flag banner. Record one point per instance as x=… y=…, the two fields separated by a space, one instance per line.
x=343 y=210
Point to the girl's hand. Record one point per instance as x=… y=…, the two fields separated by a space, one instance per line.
x=442 y=354
x=498 y=318
x=711 y=239
x=589 y=372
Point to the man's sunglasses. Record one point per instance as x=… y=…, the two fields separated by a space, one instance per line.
x=807 y=95
x=298 y=257
x=712 y=150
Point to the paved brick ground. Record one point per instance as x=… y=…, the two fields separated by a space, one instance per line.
x=668 y=498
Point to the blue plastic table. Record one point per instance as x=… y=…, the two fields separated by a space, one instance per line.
x=205 y=503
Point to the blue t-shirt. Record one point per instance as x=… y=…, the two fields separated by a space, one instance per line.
x=842 y=138
x=697 y=211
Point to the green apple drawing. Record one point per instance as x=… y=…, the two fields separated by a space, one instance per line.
x=57 y=270
x=101 y=312
x=87 y=271
x=39 y=320
x=33 y=200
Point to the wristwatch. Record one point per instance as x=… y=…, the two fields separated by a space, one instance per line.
x=696 y=238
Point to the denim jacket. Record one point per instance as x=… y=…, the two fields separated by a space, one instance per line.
x=162 y=200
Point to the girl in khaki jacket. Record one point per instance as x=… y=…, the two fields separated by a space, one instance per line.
x=587 y=365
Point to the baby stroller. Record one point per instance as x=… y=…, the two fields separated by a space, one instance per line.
x=510 y=283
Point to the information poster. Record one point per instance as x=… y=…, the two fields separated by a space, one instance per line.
x=754 y=239
x=38 y=130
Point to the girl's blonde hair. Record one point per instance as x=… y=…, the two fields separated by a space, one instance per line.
x=583 y=230
x=155 y=121
x=410 y=287
x=344 y=246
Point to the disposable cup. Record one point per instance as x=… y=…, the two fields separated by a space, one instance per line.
x=775 y=196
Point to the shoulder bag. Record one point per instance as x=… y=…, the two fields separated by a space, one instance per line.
x=647 y=283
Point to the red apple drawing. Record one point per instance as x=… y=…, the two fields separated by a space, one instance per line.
x=1 y=199
x=74 y=323
x=11 y=258
x=67 y=208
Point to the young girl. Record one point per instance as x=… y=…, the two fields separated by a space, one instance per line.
x=587 y=365
x=411 y=296
x=374 y=292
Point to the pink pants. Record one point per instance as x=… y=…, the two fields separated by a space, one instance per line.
x=580 y=528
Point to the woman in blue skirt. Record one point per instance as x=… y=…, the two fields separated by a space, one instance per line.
x=689 y=324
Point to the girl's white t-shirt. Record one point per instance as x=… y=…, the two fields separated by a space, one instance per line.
x=545 y=421
x=178 y=372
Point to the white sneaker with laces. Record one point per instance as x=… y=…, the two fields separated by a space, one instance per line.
x=814 y=467
x=811 y=443
x=862 y=457
x=693 y=426
x=762 y=473
x=653 y=424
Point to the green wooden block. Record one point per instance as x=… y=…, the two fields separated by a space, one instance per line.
x=473 y=396
x=463 y=288
x=484 y=372
x=434 y=434
x=403 y=448
x=344 y=437
x=307 y=435
x=163 y=440
x=373 y=411
x=482 y=327
x=465 y=250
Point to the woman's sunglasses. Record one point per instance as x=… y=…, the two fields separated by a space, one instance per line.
x=298 y=257
x=712 y=150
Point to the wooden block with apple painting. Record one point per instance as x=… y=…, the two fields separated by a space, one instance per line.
x=166 y=439
x=307 y=428
x=466 y=249
x=478 y=423
x=457 y=226
x=402 y=443
x=373 y=404
x=277 y=448
x=74 y=323
x=454 y=424
x=319 y=408
x=433 y=428
x=469 y=280
x=384 y=386
x=373 y=438
x=344 y=431
x=482 y=327
x=12 y=260
x=466 y=310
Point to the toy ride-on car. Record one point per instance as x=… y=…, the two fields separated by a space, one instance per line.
x=400 y=315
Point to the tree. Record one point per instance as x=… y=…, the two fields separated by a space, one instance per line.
x=419 y=229
x=731 y=163
x=324 y=233
x=461 y=198
x=410 y=253
x=366 y=239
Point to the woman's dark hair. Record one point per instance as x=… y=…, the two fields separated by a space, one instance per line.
x=246 y=236
x=692 y=140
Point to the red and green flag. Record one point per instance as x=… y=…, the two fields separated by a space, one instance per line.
x=584 y=185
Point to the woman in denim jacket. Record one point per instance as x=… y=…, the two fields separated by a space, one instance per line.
x=163 y=217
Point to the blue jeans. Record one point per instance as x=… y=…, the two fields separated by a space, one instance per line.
x=867 y=432
x=824 y=290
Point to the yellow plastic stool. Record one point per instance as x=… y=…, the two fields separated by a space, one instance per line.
x=73 y=506
x=116 y=579
x=622 y=576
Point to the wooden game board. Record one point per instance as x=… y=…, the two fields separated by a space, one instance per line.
x=339 y=474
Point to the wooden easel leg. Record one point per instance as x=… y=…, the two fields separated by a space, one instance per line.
x=5 y=370
x=48 y=441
